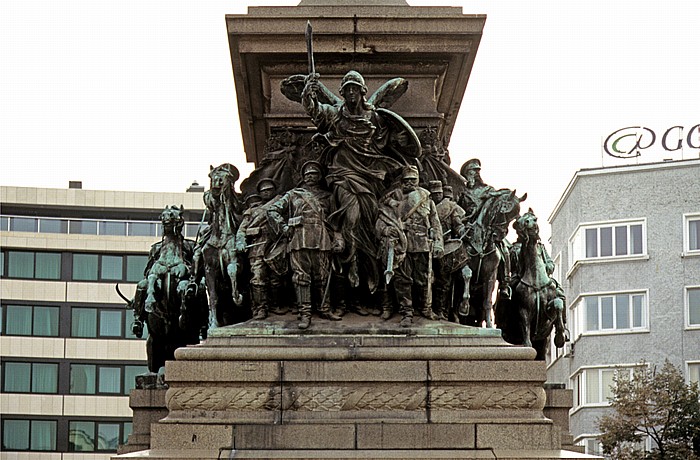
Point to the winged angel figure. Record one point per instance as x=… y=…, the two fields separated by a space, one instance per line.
x=365 y=145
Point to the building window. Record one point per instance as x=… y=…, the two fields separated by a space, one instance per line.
x=34 y=265
x=694 y=373
x=692 y=303
x=94 y=379
x=691 y=234
x=30 y=377
x=97 y=322
x=593 y=387
x=608 y=241
x=104 y=267
x=88 y=436
x=611 y=313
x=30 y=320
x=135 y=266
x=33 y=435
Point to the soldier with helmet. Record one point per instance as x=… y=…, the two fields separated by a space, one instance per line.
x=301 y=215
x=423 y=232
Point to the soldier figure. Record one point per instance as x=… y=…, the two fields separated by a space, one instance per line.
x=254 y=237
x=451 y=217
x=310 y=240
x=423 y=232
x=472 y=200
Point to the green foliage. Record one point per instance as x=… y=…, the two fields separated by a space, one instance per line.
x=655 y=404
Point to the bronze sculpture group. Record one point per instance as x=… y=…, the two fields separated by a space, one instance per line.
x=372 y=221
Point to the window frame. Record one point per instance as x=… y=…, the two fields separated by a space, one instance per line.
x=686 y=307
x=31 y=421
x=9 y=303
x=578 y=317
x=578 y=382
x=31 y=377
x=687 y=219
x=688 y=366
x=123 y=391
x=577 y=243
x=6 y=264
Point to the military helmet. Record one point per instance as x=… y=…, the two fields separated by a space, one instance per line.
x=447 y=191
x=473 y=164
x=252 y=198
x=311 y=165
x=353 y=77
x=271 y=184
x=435 y=186
x=410 y=172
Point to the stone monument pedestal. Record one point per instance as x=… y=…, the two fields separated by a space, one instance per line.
x=361 y=388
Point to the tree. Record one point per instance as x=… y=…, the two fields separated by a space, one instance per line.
x=655 y=404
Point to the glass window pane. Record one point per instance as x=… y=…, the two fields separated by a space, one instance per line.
x=637 y=310
x=15 y=434
x=48 y=265
x=17 y=377
x=20 y=264
x=19 y=320
x=43 y=435
x=2 y=263
x=694 y=373
x=126 y=431
x=107 y=436
x=112 y=228
x=592 y=314
x=191 y=230
x=135 y=266
x=44 y=378
x=606 y=241
x=606 y=312
x=591 y=242
x=53 y=226
x=694 y=235
x=142 y=229
x=130 y=373
x=110 y=379
x=622 y=311
x=621 y=240
x=23 y=224
x=83 y=227
x=111 y=323
x=81 y=436
x=4 y=223
x=46 y=321
x=83 y=322
x=607 y=377
x=694 y=307
x=111 y=267
x=592 y=386
x=636 y=239
x=85 y=267
x=82 y=379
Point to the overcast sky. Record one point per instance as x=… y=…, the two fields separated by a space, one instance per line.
x=139 y=95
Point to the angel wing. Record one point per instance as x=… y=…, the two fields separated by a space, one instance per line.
x=389 y=93
x=292 y=87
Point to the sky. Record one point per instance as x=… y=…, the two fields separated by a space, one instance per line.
x=139 y=94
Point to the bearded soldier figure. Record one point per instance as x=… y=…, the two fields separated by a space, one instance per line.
x=301 y=216
x=423 y=232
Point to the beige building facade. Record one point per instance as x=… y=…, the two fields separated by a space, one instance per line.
x=68 y=357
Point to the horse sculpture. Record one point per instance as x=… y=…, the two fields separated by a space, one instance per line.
x=538 y=301
x=216 y=249
x=484 y=244
x=161 y=297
